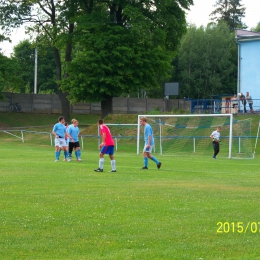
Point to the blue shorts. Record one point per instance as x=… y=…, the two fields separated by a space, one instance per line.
x=107 y=149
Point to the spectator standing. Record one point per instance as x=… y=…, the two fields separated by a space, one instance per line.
x=243 y=100
x=234 y=103
x=249 y=101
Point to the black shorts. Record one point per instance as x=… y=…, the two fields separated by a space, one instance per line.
x=74 y=145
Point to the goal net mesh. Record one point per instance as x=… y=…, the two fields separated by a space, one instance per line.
x=124 y=136
x=190 y=135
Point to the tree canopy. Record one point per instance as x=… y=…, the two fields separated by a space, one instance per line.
x=124 y=47
x=48 y=19
x=257 y=28
x=10 y=80
x=231 y=12
x=84 y=26
x=205 y=65
x=24 y=54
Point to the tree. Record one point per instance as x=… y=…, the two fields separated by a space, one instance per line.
x=230 y=11
x=24 y=53
x=257 y=28
x=46 y=82
x=125 y=46
x=64 y=23
x=116 y=63
x=205 y=64
x=48 y=18
x=10 y=79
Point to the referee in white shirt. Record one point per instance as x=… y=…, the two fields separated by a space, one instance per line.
x=215 y=141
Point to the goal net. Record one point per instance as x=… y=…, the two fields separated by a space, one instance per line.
x=189 y=135
x=124 y=136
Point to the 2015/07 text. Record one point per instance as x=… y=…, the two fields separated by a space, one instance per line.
x=238 y=227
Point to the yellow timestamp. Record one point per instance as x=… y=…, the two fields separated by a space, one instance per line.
x=238 y=227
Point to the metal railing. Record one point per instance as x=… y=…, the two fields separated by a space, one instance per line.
x=215 y=106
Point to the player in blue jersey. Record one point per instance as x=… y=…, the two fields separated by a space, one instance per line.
x=149 y=143
x=59 y=131
x=73 y=130
x=67 y=143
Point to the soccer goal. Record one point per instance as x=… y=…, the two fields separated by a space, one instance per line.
x=124 y=136
x=189 y=135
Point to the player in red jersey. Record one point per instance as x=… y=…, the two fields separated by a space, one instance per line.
x=106 y=147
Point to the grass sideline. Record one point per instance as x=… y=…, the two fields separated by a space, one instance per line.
x=67 y=211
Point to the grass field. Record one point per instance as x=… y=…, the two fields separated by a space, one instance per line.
x=67 y=211
x=192 y=208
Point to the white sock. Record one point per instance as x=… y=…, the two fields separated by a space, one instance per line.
x=101 y=163
x=113 y=165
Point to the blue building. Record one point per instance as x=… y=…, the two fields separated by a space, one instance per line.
x=249 y=64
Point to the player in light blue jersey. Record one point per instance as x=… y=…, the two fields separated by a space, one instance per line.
x=67 y=144
x=59 y=131
x=149 y=143
x=73 y=130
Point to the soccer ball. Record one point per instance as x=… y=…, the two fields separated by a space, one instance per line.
x=239 y=94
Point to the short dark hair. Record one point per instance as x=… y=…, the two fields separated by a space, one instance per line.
x=100 y=121
x=61 y=118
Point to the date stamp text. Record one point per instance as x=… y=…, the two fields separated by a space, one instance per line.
x=238 y=227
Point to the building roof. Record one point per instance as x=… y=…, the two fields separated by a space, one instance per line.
x=245 y=35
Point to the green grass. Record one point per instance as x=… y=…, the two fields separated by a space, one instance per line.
x=67 y=211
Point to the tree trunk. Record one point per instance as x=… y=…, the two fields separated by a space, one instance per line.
x=106 y=106
x=65 y=104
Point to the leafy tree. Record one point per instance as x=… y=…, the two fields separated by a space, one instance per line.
x=116 y=63
x=48 y=18
x=66 y=23
x=46 y=81
x=24 y=53
x=230 y=11
x=10 y=79
x=257 y=28
x=205 y=64
x=125 y=46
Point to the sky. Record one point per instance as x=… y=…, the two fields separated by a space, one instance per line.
x=198 y=15
x=199 y=12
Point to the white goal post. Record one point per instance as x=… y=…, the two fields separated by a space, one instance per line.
x=170 y=122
